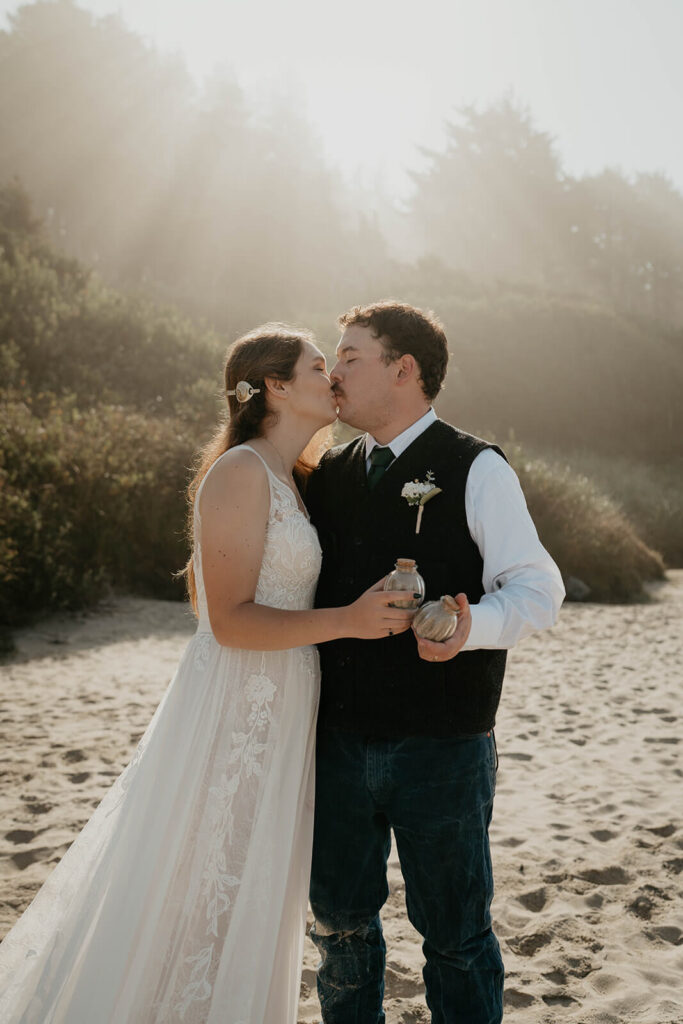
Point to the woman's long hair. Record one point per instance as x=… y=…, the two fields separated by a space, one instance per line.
x=272 y=350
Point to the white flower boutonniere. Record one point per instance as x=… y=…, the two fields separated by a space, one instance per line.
x=419 y=492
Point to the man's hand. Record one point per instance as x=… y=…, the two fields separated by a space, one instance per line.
x=429 y=650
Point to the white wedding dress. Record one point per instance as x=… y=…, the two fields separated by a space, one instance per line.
x=184 y=897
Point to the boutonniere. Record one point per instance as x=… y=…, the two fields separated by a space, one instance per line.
x=419 y=492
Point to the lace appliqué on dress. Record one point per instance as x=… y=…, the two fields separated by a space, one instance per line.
x=245 y=761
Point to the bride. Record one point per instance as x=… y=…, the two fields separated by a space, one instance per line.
x=184 y=897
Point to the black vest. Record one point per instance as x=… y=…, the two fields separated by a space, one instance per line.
x=381 y=688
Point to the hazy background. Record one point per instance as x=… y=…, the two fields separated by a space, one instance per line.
x=172 y=174
x=378 y=79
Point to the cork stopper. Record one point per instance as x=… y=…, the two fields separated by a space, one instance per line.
x=449 y=602
x=406 y=564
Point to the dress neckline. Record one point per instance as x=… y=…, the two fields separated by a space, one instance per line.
x=274 y=475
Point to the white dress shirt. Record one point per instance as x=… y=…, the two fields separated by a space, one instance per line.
x=523 y=588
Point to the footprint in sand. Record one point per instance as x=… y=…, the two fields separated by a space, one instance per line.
x=579 y=967
x=612 y=875
x=517 y=1000
x=669 y=933
x=662 y=830
x=512 y=841
x=603 y=835
x=656 y=892
x=26 y=857
x=401 y=983
x=642 y=907
x=73 y=756
x=558 y=1000
x=415 y=1015
x=606 y=983
x=527 y=945
x=22 y=835
x=308 y=983
x=534 y=900
x=37 y=808
x=79 y=777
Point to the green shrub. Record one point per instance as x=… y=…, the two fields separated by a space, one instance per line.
x=88 y=499
x=585 y=531
x=649 y=493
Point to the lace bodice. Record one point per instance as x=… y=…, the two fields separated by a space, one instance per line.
x=291 y=556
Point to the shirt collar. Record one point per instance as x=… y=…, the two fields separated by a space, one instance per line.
x=399 y=444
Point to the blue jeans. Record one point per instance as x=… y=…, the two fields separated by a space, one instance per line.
x=437 y=795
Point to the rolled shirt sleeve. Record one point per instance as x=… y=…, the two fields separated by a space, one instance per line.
x=523 y=586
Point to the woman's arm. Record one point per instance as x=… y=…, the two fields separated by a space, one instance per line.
x=233 y=509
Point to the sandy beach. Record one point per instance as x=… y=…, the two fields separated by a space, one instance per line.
x=587 y=838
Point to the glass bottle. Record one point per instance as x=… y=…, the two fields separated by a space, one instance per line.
x=406 y=577
x=437 y=620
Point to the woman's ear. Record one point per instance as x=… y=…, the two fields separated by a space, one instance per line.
x=276 y=388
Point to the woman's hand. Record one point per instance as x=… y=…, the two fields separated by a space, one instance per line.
x=444 y=650
x=371 y=618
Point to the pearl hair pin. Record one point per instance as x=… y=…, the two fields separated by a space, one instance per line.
x=243 y=391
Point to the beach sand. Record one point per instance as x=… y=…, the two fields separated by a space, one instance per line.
x=586 y=838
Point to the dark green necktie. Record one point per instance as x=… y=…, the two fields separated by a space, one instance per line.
x=379 y=459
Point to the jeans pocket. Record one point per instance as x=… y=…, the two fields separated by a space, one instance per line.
x=492 y=734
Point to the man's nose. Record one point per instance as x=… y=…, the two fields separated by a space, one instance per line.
x=335 y=375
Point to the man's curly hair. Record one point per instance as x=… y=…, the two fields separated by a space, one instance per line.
x=404 y=329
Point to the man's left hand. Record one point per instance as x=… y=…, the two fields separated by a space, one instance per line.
x=430 y=650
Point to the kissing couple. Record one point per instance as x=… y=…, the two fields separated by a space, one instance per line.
x=306 y=719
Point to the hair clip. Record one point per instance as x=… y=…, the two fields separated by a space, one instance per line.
x=243 y=391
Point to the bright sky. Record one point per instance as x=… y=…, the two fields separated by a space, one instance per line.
x=378 y=78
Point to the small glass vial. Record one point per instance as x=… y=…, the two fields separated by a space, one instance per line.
x=406 y=577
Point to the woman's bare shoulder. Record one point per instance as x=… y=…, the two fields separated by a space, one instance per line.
x=238 y=472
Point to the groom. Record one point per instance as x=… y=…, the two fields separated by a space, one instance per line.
x=405 y=738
